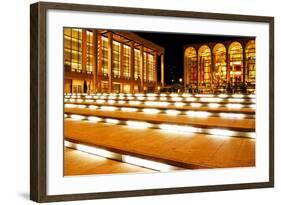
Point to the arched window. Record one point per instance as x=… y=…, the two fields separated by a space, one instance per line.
x=235 y=51
x=190 y=59
x=250 y=52
x=204 y=65
x=219 y=72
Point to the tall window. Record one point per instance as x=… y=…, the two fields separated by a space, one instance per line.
x=219 y=74
x=104 y=57
x=73 y=49
x=204 y=54
x=116 y=59
x=150 y=67
x=236 y=62
x=251 y=61
x=145 y=66
x=89 y=62
x=126 y=61
x=137 y=64
x=191 y=65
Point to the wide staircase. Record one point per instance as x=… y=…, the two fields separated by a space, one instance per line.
x=163 y=132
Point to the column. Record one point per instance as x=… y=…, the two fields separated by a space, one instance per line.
x=197 y=72
x=84 y=50
x=244 y=65
x=141 y=67
x=132 y=65
x=99 y=71
x=95 y=60
x=162 y=70
x=153 y=70
x=227 y=66
x=109 y=62
x=185 y=65
x=121 y=67
x=213 y=63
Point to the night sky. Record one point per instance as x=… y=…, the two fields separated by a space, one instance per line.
x=174 y=45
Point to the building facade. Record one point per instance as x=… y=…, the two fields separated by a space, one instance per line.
x=227 y=66
x=110 y=61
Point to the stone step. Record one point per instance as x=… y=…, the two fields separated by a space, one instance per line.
x=184 y=150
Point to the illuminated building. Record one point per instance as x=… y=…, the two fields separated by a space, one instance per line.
x=217 y=66
x=110 y=61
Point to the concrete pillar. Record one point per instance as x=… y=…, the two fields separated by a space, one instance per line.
x=132 y=66
x=155 y=69
x=99 y=71
x=197 y=71
x=213 y=64
x=110 y=62
x=121 y=66
x=84 y=50
x=244 y=65
x=95 y=60
x=141 y=67
x=162 y=70
x=227 y=66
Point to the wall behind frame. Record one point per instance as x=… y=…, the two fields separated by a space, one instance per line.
x=14 y=103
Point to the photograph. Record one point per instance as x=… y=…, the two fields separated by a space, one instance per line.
x=149 y=102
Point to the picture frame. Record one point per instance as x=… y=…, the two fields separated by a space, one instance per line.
x=39 y=93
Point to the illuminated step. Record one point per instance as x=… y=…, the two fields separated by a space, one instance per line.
x=169 y=126
x=230 y=105
x=149 y=162
x=167 y=111
x=163 y=99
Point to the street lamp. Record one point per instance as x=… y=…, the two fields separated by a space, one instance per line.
x=180 y=80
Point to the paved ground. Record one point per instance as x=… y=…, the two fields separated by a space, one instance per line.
x=81 y=163
x=196 y=149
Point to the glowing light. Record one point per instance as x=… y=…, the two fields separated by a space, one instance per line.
x=93 y=107
x=253 y=100
x=150 y=111
x=77 y=117
x=253 y=106
x=156 y=103
x=235 y=100
x=213 y=105
x=121 y=97
x=221 y=132
x=151 y=94
x=130 y=98
x=140 y=98
x=108 y=108
x=252 y=135
x=66 y=100
x=234 y=106
x=186 y=95
x=232 y=115
x=163 y=98
x=179 y=128
x=172 y=112
x=151 y=98
x=79 y=100
x=69 y=105
x=111 y=101
x=129 y=94
x=237 y=95
x=135 y=102
x=91 y=150
x=100 y=101
x=121 y=102
x=190 y=99
x=81 y=106
x=195 y=104
x=88 y=97
x=179 y=104
x=72 y=100
x=176 y=99
x=111 y=121
x=163 y=95
x=89 y=101
x=103 y=97
x=204 y=99
x=198 y=114
x=65 y=115
x=223 y=95
x=252 y=96
x=129 y=109
x=174 y=95
x=94 y=119
x=112 y=97
x=147 y=163
x=139 y=94
x=138 y=124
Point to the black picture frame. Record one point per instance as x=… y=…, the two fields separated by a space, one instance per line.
x=38 y=101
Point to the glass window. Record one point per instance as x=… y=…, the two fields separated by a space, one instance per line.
x=191 y=65
x=126 y=61
x=204 y=65
x=104 y=55
x=116 y=59
x=220 y=70
x=73 y=49
x=236 y=62
x=251 y=61
x=89 y=61
x=150 y=68
x=137 y=64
